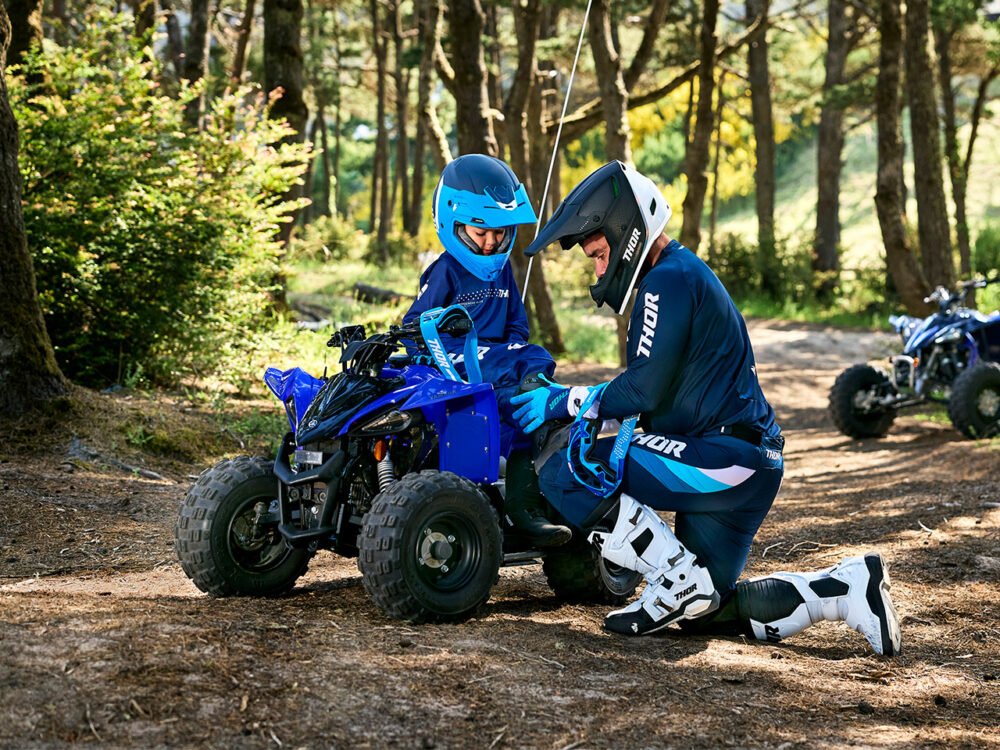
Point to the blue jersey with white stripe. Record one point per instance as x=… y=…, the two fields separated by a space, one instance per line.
x=495 y=306
x=690 y=365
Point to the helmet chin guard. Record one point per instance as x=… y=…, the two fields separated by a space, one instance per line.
x=628 y=209
x=482 y=191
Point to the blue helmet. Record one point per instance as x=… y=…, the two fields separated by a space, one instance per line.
x=482 y=191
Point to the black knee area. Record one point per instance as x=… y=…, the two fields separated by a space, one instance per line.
x=766 y=599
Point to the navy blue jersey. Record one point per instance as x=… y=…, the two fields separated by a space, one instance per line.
x=495 y=306
x=690 y=366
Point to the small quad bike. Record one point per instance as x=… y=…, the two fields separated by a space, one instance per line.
x=950 y=357
x=396 y=461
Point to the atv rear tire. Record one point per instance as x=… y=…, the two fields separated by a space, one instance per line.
x=216 y=542
x=852 y=385
x=576 y=572
x=974 y=406
x=430 y=548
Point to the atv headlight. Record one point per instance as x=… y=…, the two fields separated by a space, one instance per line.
x=386 y=423
x=950 y=336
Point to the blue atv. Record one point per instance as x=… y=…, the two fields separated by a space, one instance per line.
x=950 y=357
x=396 y=460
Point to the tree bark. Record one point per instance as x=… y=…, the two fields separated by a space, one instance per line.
x=25 y=17
x=472 y=120
x=909 y=279
x=29 y=374
x=714 y=210
x=145 y=15
x=763 y=129
x=932 y=210
x=283 y=68
x=429 y=14
x=175 y=40
x=323 y=208
x=958 y=168
x=402 y=95
x=540 y=143
x=196 y=59
x=829 y=150
x=696 y=161
x=611 y=83
x=243 y=42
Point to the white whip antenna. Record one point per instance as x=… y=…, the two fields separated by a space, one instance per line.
x=555 y=147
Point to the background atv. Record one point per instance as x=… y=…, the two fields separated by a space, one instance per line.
x=949 y=357
x=390 y=461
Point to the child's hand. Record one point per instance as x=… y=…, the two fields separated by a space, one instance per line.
x=541 y=405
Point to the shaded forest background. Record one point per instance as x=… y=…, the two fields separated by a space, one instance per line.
x=189 y=188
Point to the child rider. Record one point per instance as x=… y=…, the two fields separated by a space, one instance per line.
x=477 y=206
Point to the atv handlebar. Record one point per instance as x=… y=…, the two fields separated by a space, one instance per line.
x=947 y=300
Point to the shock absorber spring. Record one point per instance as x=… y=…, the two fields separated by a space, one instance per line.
x=386 y=472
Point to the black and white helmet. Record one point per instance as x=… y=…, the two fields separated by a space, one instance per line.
x=630 y=211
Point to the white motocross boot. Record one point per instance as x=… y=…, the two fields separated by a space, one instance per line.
x=855 y=591
x=677 y=586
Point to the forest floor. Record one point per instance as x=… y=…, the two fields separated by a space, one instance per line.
x=103 y=640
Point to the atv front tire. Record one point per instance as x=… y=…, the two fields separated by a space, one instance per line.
x=217 y=543
x=430 y=548
x=974 y=406
x=852 y=387
x=578 y=573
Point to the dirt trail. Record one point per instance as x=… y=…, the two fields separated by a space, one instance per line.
x=104 y=641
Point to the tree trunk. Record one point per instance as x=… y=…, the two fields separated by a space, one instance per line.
x=696 y=161
x=829 y=150
x=402 y=96
x=145 y=15
x=539 y=155
x=494 y=91
x=175 y=40
x=283 y=69
x=957 y=171
x=614 y=101
x=925 y=133
x=610 y=81
x=25 y=27
x=323 y=208
x=429 y=13
x=382 y=142
x=714 y=211
x=243 y=42
x=763 y=129
x=309 y=177
x=196 y=59
x=910 y=282
x=28 y=370
x=472 y=120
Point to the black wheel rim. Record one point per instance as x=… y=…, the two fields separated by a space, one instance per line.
x=619 y=580
x=448 y=551
x=257 y=550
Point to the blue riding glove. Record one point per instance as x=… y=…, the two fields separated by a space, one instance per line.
x=541 y=405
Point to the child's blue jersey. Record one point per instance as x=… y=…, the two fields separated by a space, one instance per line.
x=495 y=306
x=690 y=366
x=505 y=356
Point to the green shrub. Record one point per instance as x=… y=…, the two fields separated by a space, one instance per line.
x=154 y=245
x=327 y=238
x=986 y=251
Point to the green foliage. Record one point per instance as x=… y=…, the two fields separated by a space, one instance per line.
x=154 y=245
x=741 y=266
x=986 y=251
x=327 y=238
